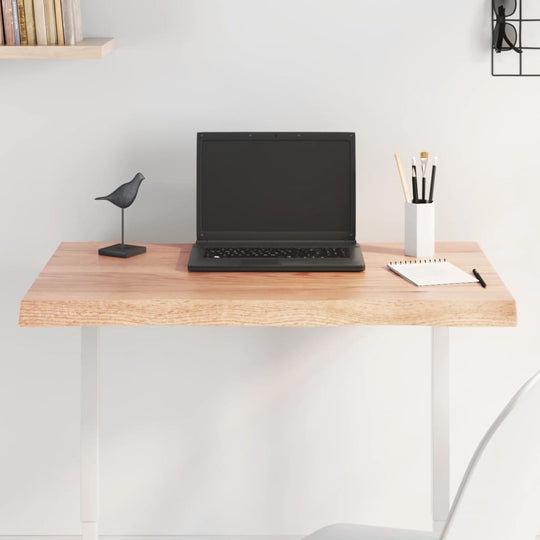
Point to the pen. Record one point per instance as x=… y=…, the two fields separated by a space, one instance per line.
x=479 y=278
x=432 y=183
x=414 y=182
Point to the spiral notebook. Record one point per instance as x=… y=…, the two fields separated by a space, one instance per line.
x=431 y=272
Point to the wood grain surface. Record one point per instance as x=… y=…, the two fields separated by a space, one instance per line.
x=78 y=287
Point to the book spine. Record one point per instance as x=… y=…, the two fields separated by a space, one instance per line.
x=22 y=22
x=59 y=25
x=77 y=20
x=30 y=22
x=9 y=31
x=41 y=22
x=50 y=19
x=69 y=24
x=16 y=29
x=1 y=27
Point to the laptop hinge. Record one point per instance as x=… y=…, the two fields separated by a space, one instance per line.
x=278 y=243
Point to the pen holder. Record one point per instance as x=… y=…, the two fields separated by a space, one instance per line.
x=419 y=230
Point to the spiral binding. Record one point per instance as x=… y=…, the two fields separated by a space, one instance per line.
x=418 y=261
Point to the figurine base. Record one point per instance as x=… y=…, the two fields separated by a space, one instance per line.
x=124 y=252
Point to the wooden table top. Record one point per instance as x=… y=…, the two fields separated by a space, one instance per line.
x=78 y=287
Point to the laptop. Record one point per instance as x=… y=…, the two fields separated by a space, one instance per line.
x=276 y=202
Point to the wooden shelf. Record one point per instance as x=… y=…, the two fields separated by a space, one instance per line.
x=87 y=48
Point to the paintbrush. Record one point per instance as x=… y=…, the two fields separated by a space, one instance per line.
x=424 y=157
x=414 y=182
x=432 y=185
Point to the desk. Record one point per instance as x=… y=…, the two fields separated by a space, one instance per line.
x=79 y=288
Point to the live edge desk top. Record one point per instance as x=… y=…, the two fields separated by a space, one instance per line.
x=78 y=287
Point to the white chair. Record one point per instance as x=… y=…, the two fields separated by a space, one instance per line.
x=499 y=496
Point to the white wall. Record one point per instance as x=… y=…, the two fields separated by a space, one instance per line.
x=262 y=431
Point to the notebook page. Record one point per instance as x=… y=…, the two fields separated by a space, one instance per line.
x=431 y=273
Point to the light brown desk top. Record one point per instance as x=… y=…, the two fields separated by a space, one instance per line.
x=78 y=287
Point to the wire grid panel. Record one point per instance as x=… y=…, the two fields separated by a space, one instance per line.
x=526 y=21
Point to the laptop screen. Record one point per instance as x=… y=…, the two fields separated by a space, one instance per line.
x=276 y=186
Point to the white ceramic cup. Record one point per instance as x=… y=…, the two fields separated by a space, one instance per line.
x=420 y=230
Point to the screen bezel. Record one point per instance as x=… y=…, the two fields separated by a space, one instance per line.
x=242 y=236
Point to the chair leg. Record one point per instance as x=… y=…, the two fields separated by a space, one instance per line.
x=89 y=433
x=440 y=418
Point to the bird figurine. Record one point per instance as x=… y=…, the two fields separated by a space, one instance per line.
x=123 y=197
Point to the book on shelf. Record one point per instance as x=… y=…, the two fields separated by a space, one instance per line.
x=71 y=13
x=40 y=22
x=1 y=27
x=59 y=25
x=69 y=22
x=16 y=28
x=77 y=19
x=30 y=22
x=9 y=30
x=50 y=20
x=22 y=22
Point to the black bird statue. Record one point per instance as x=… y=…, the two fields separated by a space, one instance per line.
x=123 y=197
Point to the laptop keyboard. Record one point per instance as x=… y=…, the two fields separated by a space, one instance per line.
x=282 y=253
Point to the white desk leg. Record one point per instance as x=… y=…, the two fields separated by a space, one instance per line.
x=89 y=433
x=440 y=425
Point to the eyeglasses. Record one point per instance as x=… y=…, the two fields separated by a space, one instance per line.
x=504 y=33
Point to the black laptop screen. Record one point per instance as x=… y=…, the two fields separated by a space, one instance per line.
x=276 y=188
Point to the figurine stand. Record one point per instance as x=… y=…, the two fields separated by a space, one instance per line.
x=123 y=251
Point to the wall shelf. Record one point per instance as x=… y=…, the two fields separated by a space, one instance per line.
x=87 y=48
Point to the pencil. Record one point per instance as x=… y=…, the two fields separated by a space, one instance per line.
x=402 y=178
